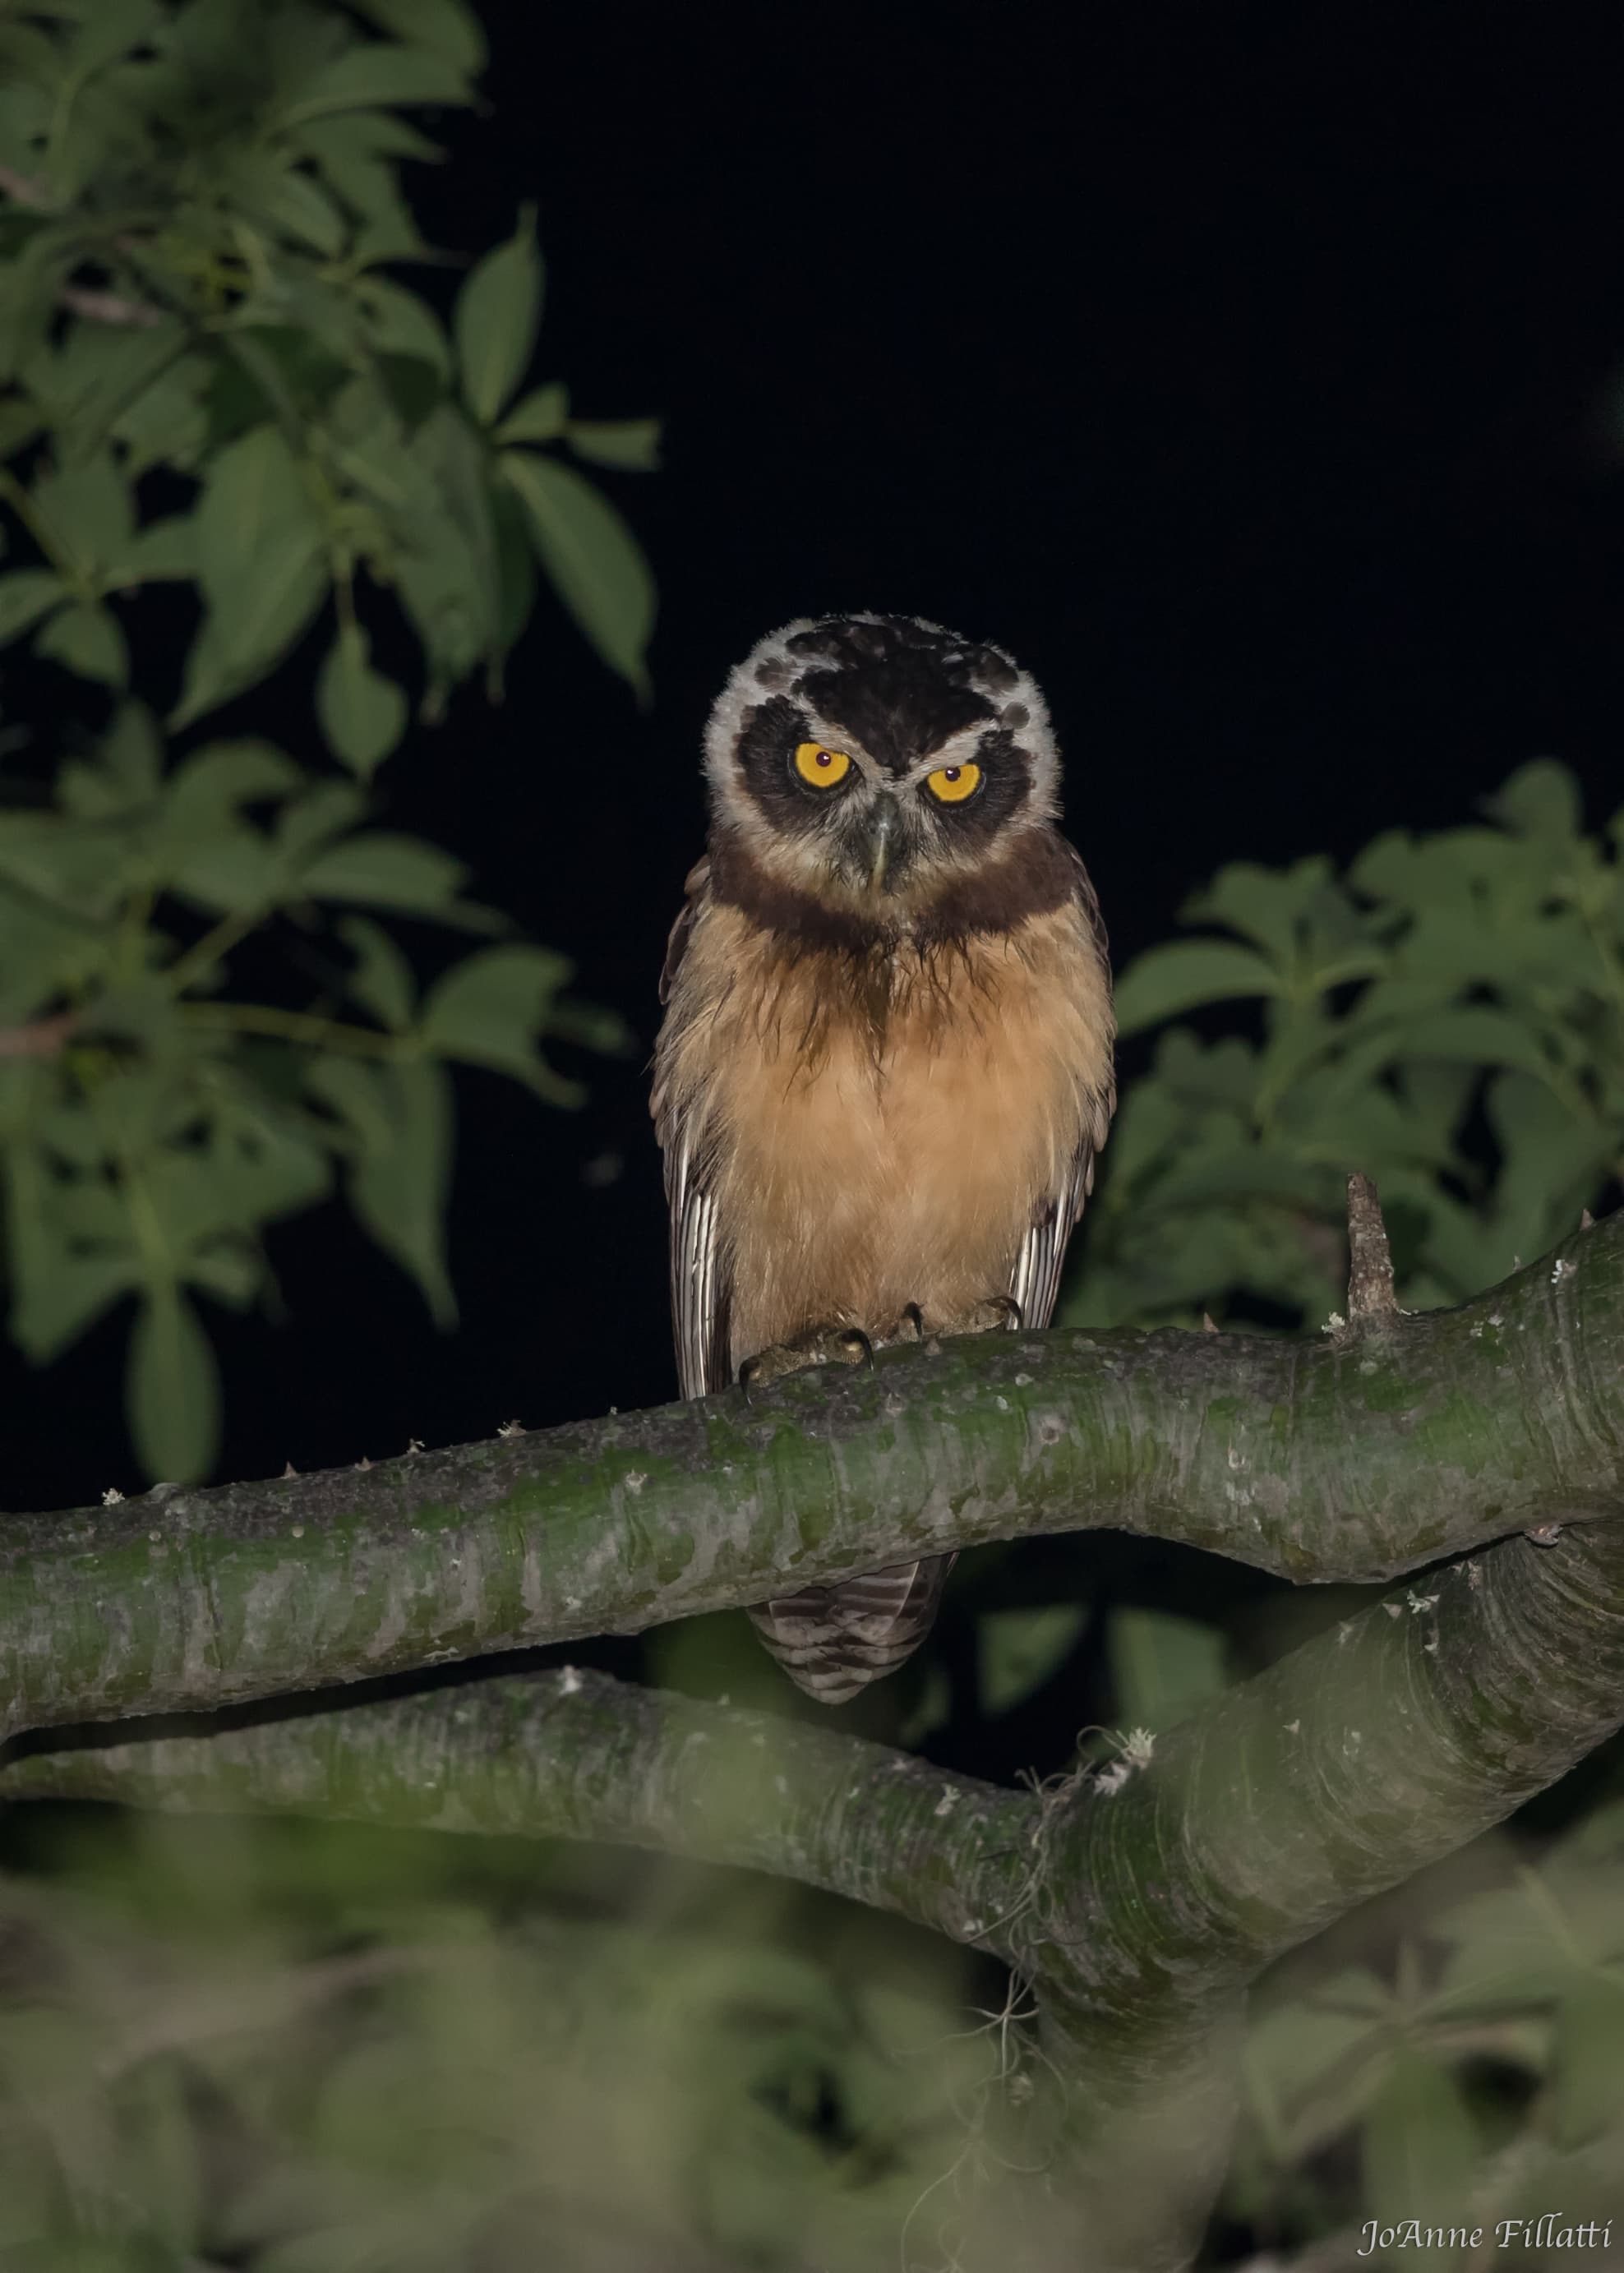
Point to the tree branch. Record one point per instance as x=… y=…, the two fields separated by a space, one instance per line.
x=41 y=1038
x=1469 y=1424
x=1373 y=1305
x=572 y=1754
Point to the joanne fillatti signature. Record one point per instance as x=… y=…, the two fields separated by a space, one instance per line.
x=1550 y=2232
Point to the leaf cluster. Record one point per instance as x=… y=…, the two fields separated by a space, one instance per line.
x=147 y=1150
x=212 y=376
x=289 y=2047
x=1446 y=1016
x=213 y=381
x=1473 y=2073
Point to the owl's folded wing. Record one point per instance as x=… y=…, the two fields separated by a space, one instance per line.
x=699 y=1285
x=1035 y=1283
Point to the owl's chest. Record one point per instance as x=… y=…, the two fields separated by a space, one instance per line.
x=951 y=1099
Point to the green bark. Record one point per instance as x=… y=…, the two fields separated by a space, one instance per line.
x=1350 y=1457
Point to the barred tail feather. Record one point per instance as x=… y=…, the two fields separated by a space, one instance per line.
x=834 y=1640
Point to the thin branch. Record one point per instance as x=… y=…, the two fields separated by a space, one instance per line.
x=301 y=1027
x=108 y=307
x=43 y=1037
x=1373 y=1306
x=24 y=188
x=96 y=307
x=573 y=1754
x=1317 y=1460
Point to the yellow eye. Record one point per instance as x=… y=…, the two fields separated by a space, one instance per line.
x=953 y=784
x=819 y=767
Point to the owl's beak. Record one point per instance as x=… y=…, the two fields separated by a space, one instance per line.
x=884 y=825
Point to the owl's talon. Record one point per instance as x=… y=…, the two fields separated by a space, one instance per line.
x=913 y=1316
x=822 y=1346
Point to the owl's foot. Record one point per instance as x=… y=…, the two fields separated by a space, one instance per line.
x=997 y=1312
x=819 y=1346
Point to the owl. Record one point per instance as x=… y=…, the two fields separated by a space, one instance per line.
x=885 y=1065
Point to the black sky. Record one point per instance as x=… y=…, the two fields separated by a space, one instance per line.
x=1246 y=370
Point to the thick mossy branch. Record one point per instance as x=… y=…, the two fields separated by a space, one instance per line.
x=1328 y=1459
x=1376 y=1748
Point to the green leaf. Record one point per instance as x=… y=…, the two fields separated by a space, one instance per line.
x=165 y=551
x=1541 y=800
x=377 y=74
x=86 y=640
x=1017 y=1650
x=594 y=561
x=26 y=595
x=132 y=755
x=1268 y=905
x=495 y=320
x=446 y=562
x=297 y=207
x=400 y=1118
x=110 y=30
x=1472 y=1036
x=386 y=871
x=400 y=323
x=1167 y=981
x=363 y=714
x=20 y=421
x=630 y=444
x=1586 y=2081
x=539 y=417
x=98 y=379
x=489 y=1009
x=28 y=290
x=172 y=1390
x=1162 y=1666
x=267 y=369
x=255 y=492
x=381 y=979
x=1419 y=2151
x=90 y=509
x=207 y=790
x=261 y=565
x=412 y=387
x=517 y=574
x=325 y=810
x=59 y=1288
x=446 y=25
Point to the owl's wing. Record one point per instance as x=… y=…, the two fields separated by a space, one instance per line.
x=1035 y=1282
x=699 y=1288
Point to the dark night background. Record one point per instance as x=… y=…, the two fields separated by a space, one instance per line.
x=1248 y=370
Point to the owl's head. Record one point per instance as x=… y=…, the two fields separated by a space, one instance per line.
x=872 y=760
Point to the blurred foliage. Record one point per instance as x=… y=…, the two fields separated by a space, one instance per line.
x=1448 y=1016
x=295 y=2049
x=1473 y=2075
x=211 y=382
x=298 y=2048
